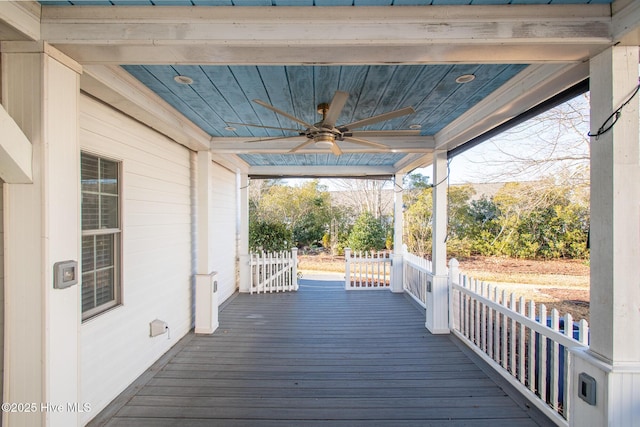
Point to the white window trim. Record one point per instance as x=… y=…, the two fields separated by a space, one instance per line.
x=117 y=232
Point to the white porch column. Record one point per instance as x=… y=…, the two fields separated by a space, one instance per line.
x=243 y=233
x=397 y=284
x=40 y=92
x=206 y=292
x=613 y=359
x=438 y=291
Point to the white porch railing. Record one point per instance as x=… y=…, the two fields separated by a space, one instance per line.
x=417 y=273
x=367 y=270
x=527 y=347
x=274 y=272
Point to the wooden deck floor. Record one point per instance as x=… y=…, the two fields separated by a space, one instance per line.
x=321 y=356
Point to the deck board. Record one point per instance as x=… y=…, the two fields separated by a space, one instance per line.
x=318 y=357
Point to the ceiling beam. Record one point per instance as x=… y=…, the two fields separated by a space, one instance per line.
x=304 y=35
x=116 y=87
x=321 y=171
x=19 y=21
x=409 y=163
x=626 y=22
x=411 y=144
x=15 y=152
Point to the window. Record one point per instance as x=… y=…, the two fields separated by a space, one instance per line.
x=100 y=186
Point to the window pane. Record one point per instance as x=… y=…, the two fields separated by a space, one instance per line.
x=88 y=292
x=109 y=211
x=104 y=251
x=108 y=177
x=87 y=253
x=90 y=219
x=104 y=286
x=100 y=211
x=89 y=173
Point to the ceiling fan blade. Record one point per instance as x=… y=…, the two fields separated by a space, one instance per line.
x=335 y=149
x=304 y=144
x=365 y=133
x=273 y=139
x=379 y=118
x=335 y=108
x=365 y=142
x=282 y=113
x=261 y=126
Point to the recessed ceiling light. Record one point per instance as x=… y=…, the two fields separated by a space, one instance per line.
x=183 y=80
x=230 y=128
x=465 y=78
x=415 y=126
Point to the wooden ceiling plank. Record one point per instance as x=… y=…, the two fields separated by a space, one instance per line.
x=279 y=95
x=301 y=83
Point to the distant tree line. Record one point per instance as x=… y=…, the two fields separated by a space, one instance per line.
x=283 y=216
x=525 y=220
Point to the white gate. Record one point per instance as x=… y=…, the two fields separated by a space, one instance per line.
x=367 y=270
x=274 y=272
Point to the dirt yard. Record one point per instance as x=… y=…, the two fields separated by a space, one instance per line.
x=560 y=284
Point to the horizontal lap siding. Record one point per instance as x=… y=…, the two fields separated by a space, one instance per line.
x=223 y=223
x=156 y=253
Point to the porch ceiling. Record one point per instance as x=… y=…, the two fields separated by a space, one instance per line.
x=408 y=53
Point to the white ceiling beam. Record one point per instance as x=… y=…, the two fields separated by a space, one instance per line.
x=626 y=22
x=321 y=171
x=533 y=85
x=19 y=20
x=414 y=144
x=410 y=163
x=304 y=35
x=231 y=162
x=119 y=89
x=15 y=152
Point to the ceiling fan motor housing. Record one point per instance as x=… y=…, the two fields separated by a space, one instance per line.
x=324 y=138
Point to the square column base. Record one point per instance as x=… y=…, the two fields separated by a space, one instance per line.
x=437 y=321
x=397 y=274
x=617 y=402
x=206 y=303
x=245 y=274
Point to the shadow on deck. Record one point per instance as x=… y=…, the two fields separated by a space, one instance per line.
x=321 y=356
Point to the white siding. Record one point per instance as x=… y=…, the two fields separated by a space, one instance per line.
x=156 y=253
x=223 y=223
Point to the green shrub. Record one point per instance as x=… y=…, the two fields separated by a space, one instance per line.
x=367 y=234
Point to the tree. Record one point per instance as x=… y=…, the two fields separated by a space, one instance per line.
x=365 y=195
x=367 y=233
x=554 y=143
x=417 y=220
x=305 y=209
x=542 y=220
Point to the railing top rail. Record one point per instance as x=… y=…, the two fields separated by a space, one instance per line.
x=418 y=263
x=543 y=329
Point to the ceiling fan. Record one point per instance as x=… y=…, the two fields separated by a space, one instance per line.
x=326 y=133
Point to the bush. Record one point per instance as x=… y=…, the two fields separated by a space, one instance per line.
x=269 y=236
x=367 y=234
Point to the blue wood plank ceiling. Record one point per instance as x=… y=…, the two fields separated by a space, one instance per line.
x=221 y=94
